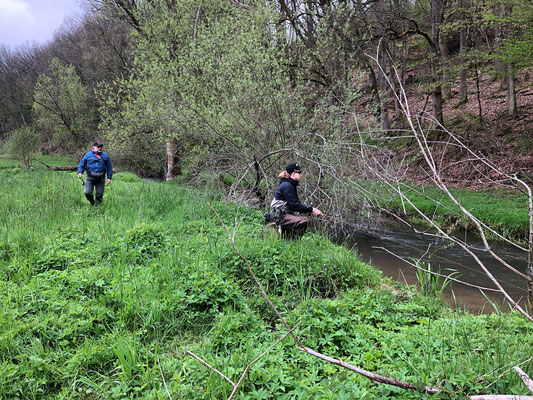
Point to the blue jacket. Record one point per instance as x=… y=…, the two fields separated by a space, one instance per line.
x=96 y=163
x=286 y=191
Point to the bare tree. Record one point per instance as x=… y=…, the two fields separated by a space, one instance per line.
x=439 y=159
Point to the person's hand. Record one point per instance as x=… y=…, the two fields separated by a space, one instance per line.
x=108 y=181
x=79 y=176
x=316 y=212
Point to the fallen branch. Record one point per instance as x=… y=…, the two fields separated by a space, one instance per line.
x=188 y=352
x=525 y=378
x=506 y=372
x=500 y=397
x=58 y=168
x=373 y=377
x=258 y=358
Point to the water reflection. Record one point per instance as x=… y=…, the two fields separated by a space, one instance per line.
x=375 y=247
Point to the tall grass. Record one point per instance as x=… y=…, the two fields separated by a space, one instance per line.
x=93 y=299
x=431 y=281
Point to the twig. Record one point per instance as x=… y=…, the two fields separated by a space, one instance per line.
x=500 y=397
x=258 y=358
x=236 y=385
x=209 y=366
x=505 y=372
x=164 y=382
x=436 y=273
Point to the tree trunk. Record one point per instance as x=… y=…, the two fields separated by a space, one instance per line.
x=443 y=47
x=373 y=83
x=170 y=160
x=22 y=119
x=463 y=90
x=310 y=22
x=436 y=99
x=511 y=93
x=257 y=184
x=397 y=107
x=478 y=93
x=383 y=90
x=436 y=95
x=498 y=67
x=404 y=55
x=382 y=68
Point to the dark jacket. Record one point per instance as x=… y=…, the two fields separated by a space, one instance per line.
x=286 y=191
x=96 y=163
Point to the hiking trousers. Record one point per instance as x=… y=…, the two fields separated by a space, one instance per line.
x=293 y=226
x=98 y=188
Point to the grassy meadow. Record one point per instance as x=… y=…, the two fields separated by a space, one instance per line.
x=103 y=302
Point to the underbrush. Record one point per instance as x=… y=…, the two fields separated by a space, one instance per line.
x=102 y=302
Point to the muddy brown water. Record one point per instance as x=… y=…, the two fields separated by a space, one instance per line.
x=381 y=248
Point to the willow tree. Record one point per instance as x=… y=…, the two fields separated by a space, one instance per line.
x=62 y=108
x=208 y=84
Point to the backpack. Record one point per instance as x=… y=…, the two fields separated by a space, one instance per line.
x=274 y=215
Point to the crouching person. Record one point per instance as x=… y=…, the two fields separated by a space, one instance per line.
x=97 y=164
x=286 y=199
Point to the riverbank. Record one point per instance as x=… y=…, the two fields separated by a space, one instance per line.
x=104 y=302
x=505 y=211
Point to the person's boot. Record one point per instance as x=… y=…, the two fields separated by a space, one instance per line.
x=98 y=201
x=90 y=198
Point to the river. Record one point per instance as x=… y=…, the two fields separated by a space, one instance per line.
x=376 y=246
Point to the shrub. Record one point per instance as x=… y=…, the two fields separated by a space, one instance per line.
x=23 y=142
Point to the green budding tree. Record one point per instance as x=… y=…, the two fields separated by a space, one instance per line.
x=62 y=108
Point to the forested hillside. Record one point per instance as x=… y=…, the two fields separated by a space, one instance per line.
x=232 y=88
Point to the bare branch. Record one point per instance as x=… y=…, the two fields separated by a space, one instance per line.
x=500 y=397
x=258 y=358
x=525 y=378
x=437 y=274
x=373 y=377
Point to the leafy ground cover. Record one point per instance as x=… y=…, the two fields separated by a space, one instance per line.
x=103 y=303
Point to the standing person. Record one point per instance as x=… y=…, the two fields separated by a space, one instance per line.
x=286 y=199
x=97 y=164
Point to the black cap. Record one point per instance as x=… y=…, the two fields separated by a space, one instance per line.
x=97 y=144
x=293 y=167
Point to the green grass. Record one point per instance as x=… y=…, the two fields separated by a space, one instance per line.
x=94 y=299
x=506 y=211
